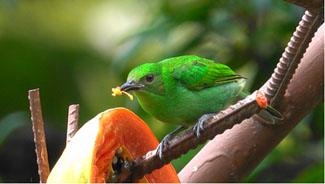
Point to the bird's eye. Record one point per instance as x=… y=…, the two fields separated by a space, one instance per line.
x=150 y=78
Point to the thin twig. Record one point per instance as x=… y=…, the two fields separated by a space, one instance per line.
x=215 y=125
x=291 y=57
x=39 y=134
x=73 y=119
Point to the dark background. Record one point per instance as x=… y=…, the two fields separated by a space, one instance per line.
x=76 y=51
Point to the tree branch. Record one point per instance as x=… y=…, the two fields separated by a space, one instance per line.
x=230 y=157
x=276 y=88
x=213 y=126
x=39 y=134
x=218 y=161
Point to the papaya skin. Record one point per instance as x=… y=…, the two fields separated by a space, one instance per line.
x=88 y=156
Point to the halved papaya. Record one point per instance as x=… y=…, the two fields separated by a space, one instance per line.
x=103 y=147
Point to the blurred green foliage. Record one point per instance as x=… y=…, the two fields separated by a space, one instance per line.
x=10 y=123
x=76 y=51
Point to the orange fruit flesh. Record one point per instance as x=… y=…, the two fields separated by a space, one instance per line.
x=88 y=156
x=122 y=128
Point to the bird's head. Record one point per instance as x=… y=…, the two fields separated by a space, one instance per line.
x=145 y=78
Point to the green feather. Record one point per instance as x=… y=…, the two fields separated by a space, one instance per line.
x=197 y=73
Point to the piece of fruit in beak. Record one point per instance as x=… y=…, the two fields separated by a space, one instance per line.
x=117 y=92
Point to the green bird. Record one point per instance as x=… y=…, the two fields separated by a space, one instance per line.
x=187 y=90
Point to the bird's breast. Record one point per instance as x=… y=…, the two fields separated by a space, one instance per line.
x=184 y=107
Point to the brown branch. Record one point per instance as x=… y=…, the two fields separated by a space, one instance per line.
x=230 y=157
x=73 y=119
x=294 y=52
x=315 y=6
x=39 y=134
x=291 y=57
x=277 y=86
x=182 y=144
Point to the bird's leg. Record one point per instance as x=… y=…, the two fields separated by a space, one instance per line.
x=198 y=127
x=164 y=142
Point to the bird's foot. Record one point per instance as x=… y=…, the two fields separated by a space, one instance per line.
x=163 y=145
x=165 y=142
x=198 y=127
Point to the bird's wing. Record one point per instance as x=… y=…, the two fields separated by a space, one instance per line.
x=203 y=73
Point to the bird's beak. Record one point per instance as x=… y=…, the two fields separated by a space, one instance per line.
x=131 y=85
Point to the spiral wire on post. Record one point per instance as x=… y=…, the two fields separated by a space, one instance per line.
x=292 y=55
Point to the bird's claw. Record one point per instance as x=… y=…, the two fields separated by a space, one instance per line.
x=163 y=145
x=165 y=142
x=199 y=126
